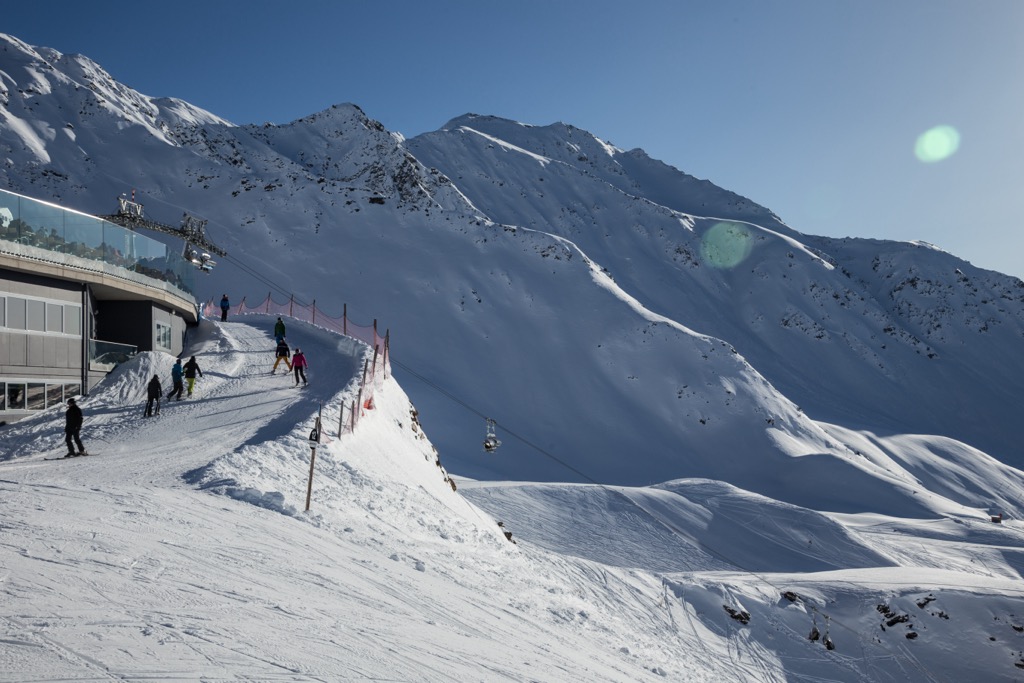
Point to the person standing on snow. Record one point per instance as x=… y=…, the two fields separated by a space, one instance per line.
x=179 y=385
x=282 y=355
x=154 y=391
x=72 y=428
x=299 y=365
x=224 y=306
x=279 y=330
x=191 y=368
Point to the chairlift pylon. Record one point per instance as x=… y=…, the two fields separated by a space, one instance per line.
x=491 y=442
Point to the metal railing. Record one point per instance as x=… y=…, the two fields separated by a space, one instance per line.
x=104 y=355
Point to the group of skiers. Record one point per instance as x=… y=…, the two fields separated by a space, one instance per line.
x=178 y=373
x=297 y=362
x=183 y=378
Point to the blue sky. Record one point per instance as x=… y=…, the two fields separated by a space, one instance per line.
x=812 y=108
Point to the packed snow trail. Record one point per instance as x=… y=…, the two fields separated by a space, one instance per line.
x=236 y=401
x=123 y=566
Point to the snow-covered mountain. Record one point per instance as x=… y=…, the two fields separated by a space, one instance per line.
x=782 y=427
x=181 y=550
x=594 y=301
x=665 y=317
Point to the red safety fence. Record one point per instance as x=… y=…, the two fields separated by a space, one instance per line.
x=374 y=371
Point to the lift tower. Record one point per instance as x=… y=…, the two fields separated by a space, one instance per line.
x=192 y=231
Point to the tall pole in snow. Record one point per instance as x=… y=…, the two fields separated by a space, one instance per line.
x=314 y=439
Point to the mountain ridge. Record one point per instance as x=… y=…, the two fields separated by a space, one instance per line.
x=470 y=227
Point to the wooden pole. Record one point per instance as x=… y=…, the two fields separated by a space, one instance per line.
x=268 y=302
x=314 y=439
x=344 y=320
x=309 y=488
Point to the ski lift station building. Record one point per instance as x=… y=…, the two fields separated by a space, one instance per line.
x=78 y=295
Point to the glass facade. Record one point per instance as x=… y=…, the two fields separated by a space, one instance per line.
x=59 y=235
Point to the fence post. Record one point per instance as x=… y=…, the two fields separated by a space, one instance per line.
x=291 y=300
x=374 y=331
x=241 y=307
x=268 y=302
x=314 y=440
x=373 y=373
x=341 y=419
x=314 y=311
x=387 y=348
x=344 y=320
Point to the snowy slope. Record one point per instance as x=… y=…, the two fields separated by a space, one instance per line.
x=180 y=551
x=492 y=237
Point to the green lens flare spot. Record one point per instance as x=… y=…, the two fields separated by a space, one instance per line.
x=941 y=142
x=726 y=245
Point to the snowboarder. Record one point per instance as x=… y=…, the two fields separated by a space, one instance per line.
x=279 y=330
x=191 y=368
x=72 y=428
x=179 y=385
x=282 y=355
x=154 y=391
x=225 y=304
x=299 y=365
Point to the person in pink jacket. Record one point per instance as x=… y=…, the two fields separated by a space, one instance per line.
x=299 y=366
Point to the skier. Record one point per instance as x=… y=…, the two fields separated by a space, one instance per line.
x=299 y=365
x=72 y=428
x=191 y=368
x=282 y=355
x=179 y=385
x=279 y=330
x=154 y=391
x=224 y=306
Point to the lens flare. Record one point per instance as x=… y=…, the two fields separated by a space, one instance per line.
x=941 y=142
x=726 y=245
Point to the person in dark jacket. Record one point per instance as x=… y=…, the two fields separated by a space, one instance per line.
x=153 y=393
x=225 y=304
x=179 y=385
x=282 y=355
x=72 y=428
x=191 y=368
x=279 y=330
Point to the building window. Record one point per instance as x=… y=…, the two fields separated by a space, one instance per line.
x=16 y=313
x=163 y=336
x=54 y=317
x=36 y=315
x=73 y=320
x=54 y=394
x=15 y=396
x=36 y=396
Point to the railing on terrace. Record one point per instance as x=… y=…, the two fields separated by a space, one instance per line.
x=34 y=229
x=104 y=355
x=374 y=371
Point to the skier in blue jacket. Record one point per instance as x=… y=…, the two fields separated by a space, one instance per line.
x=179 y=385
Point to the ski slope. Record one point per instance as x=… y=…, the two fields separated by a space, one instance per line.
x=181 y=551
